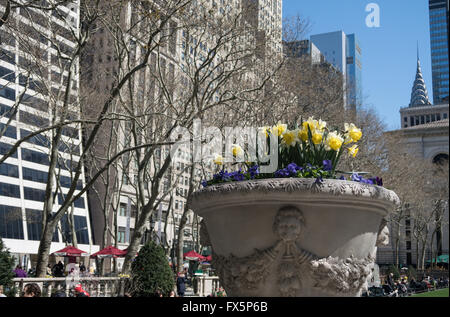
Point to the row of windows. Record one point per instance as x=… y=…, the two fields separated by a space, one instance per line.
x=80 y=228
x=33 y=120
x=434 y=26
x=417 y=120
x=44 y=141
x=123 y=210
x=35 y=157
x=11 y=225
x=43 y=159
x=435 y=45
x=34 y=194
x=439 y=39
x=36 y=139
x=439 y=11
x=437 y=18
x=34 y=102
x=34 y=175
x=67 y=182
x=34 y=225
x=79 y=203
x=10 y=190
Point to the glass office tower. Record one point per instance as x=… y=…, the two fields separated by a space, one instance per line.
x=439 y=16
x=354 y=71
x=343 y=52
x=23 y=176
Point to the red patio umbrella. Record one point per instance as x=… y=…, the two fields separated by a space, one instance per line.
x=109 y=252
x=192 y=255
x=70 y=251
x=208 y=258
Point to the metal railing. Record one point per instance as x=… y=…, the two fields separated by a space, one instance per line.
x=95 y=286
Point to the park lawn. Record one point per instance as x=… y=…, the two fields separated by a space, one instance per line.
x=438 y=293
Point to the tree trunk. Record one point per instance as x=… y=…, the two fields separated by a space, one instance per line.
x=44 y=249
x=432 y=249
x=73 y=232
x=417 y=255
x=397 y=243
x=180 y=241
x=183 y=220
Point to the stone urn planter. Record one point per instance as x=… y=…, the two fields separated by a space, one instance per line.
x=293 y=236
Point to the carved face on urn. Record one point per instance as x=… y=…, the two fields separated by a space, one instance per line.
x=288 y=223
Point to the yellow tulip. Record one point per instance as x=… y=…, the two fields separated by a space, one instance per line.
x=353 y=150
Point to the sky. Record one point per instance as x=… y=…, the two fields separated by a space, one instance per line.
x=389 y=52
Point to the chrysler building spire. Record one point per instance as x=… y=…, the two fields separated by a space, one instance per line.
x=419 y=94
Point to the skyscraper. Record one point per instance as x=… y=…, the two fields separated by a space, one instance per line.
x=343 y=52
x=439 y=23
x=31 y=77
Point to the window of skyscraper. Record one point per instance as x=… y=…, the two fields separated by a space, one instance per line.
x=5 y=148
x=8 y=93
x=10 y=131
x=11 y=225
x=34 y=194
x=9 y=170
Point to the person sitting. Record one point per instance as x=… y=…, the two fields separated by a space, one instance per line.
x=80 y=292
x=403 y=290
x=59 y=293
x=31 y=290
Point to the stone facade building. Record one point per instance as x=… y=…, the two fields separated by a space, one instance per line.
x=425 y=131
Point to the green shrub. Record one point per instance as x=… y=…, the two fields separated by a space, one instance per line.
x=6 y=267
x=151 y=273
x=393 y=269
x=412 y=273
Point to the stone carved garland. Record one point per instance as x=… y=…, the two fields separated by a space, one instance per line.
x=332 y=186
x=341 y=277
x=338 y=276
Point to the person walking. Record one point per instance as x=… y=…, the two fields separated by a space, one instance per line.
x=181 y=284
x=58 y=269
x=49 y=270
